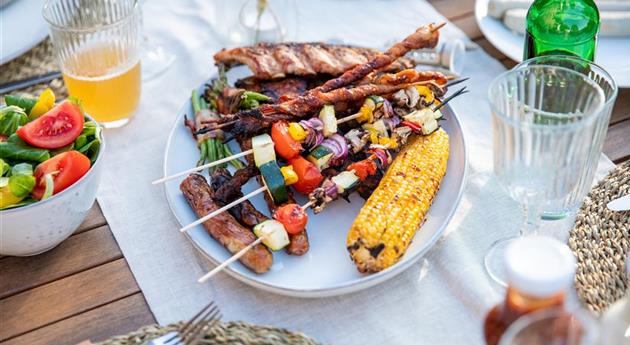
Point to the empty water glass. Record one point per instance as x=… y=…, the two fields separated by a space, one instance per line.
x=543 y=122
x=559 y=208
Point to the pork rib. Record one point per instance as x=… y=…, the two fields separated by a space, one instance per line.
x=277 y=60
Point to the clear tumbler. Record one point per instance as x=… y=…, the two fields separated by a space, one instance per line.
x=544 y=119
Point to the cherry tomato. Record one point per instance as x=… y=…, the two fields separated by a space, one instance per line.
x=66 y=168
x=293 y=217
x=363 y=168
x=309 y=176
x=285 y=145
x=57 y=128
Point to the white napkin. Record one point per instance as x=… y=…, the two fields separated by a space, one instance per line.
x=441 y=300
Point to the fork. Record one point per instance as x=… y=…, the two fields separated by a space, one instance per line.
x=192 y=332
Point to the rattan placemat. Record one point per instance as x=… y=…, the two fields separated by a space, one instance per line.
x=235 y=332
x=37 y=61
x=601 y=240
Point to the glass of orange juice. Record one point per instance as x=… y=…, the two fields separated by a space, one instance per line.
x=97 y=43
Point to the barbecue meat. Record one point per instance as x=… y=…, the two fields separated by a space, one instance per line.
x=278 y=60
x=289 y=87
x=228 y=188
x=224 y=228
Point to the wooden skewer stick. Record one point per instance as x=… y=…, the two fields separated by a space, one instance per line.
x=223 y=209
x=232 y=157
x=201 y=167
x=242 y=252
x=308 y=204
x=227 y=262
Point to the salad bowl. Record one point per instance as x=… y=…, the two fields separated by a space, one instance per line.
x=38 y=227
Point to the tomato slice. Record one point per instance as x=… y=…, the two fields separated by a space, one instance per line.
x=285 y=145
x=293 y=217
x=57 y=128
x=66 y=168
x=309 y=176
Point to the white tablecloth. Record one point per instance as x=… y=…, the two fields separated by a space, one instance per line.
x=441 y=300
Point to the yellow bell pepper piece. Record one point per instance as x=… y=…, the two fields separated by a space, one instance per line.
x=365 y=114
x=388 y=142
x=290 y=176
x=7 y=198
x=297 y=132
x=45 y=102
x=425 y=93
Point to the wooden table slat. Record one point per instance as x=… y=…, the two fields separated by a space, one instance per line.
x=94 y=219
x=78 y=253
x=469 y=26
x=119 y=317
x=66 y=297
x=617 y=143
x=621 y=110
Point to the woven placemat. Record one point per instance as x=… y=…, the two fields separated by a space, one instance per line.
x=234 y=332
x=601 y=240
x=37 y=61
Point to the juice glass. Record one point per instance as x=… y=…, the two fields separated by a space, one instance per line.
x=97 y=43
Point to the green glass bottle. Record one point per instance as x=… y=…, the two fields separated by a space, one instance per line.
x=562 y=27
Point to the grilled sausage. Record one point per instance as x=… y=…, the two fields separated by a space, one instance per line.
x=224 y=228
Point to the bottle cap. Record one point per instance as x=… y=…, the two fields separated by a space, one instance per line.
x=539 y=266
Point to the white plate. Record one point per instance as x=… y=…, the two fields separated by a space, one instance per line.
x=23 y=27
x=612 y=53
x=326 y=269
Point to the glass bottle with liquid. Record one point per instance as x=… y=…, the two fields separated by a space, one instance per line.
x=562 y=27
x=539 y=270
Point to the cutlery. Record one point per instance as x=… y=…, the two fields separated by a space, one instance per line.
x=193 y=331
x=620 y=204
x=24 y=83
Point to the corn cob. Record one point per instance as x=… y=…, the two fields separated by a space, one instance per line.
x=390 y=217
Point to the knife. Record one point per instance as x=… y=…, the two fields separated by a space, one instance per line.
x=620 y=204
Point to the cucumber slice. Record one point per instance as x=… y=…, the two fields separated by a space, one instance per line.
x=276 y=236
x=263 y=149
x=273 y=179
x=320 y=156
x=345 y=180
x=327 y=115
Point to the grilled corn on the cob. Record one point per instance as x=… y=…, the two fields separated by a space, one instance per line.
x=389 y=219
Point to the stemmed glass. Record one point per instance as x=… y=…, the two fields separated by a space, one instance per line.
x=156 y=59
x=543 y=121
x=560 y=208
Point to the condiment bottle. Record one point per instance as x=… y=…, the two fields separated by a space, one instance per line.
x=561 y=27
x=616 y=319
x=539 y=271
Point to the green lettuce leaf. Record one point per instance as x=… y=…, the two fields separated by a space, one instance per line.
x=11 y=118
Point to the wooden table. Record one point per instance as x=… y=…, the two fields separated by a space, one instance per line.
x=83 y=289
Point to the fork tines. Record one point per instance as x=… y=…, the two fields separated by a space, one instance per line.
x=193 y=330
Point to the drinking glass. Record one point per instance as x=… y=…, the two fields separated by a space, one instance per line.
x=560 y=208
x=97 y=43
x=553 y=327
x=543 y=121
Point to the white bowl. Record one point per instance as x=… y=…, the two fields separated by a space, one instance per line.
x=38 y=227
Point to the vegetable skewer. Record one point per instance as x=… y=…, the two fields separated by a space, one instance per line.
x=326 y=115
x=345 y=180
